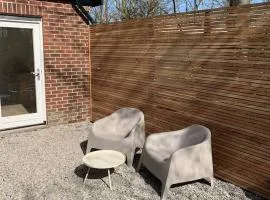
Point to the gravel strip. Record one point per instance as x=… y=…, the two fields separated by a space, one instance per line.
x=46 y=164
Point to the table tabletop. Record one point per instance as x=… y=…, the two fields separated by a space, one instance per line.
x=104 y=159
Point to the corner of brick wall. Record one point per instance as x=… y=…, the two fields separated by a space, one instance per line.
x=66 y=57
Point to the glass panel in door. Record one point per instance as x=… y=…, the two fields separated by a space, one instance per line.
x=17 y=80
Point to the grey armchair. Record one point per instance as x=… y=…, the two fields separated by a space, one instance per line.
x=179 y=156
x=123 y=130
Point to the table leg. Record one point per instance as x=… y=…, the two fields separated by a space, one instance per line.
x=110 y=179
x=86 y=175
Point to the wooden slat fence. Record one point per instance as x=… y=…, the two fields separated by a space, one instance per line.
x=209 y=67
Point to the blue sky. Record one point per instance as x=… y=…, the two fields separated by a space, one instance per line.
x=183 y=5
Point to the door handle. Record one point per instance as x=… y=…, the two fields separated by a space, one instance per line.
x=36 y=74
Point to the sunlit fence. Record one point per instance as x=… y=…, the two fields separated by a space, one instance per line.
x=209 y=67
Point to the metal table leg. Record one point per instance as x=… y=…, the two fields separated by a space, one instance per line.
x=110 y=179
x=86 y=175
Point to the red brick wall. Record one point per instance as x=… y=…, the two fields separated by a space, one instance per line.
x=66 y=57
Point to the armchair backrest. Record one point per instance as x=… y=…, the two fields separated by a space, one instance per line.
x=174 y=140
x=119 y=124
x=193 y=135
x=126 y=119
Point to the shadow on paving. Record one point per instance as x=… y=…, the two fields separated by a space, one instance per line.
x=253 y=196
x=83 y=146
x=149 y=178
x=81 y=171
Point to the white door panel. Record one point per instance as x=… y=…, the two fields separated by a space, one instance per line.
x=22 y=96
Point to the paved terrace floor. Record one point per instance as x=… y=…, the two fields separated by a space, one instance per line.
x=46 y=164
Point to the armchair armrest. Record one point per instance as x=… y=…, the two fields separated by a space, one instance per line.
x=137 y=133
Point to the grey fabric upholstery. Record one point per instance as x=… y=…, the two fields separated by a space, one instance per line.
x=123 y=130
x=179 y=156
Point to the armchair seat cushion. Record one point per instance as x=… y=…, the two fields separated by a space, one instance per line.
x=161 y=146
x=159 y=153
x=159 y=156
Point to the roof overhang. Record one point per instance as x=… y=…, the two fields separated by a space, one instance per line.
x=92 y=3
x=79 y=6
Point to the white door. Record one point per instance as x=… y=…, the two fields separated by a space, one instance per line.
x=22 y=101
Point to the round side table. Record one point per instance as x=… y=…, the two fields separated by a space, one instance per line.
x=103 y=159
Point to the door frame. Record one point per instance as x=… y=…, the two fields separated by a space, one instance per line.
x=40 y=116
